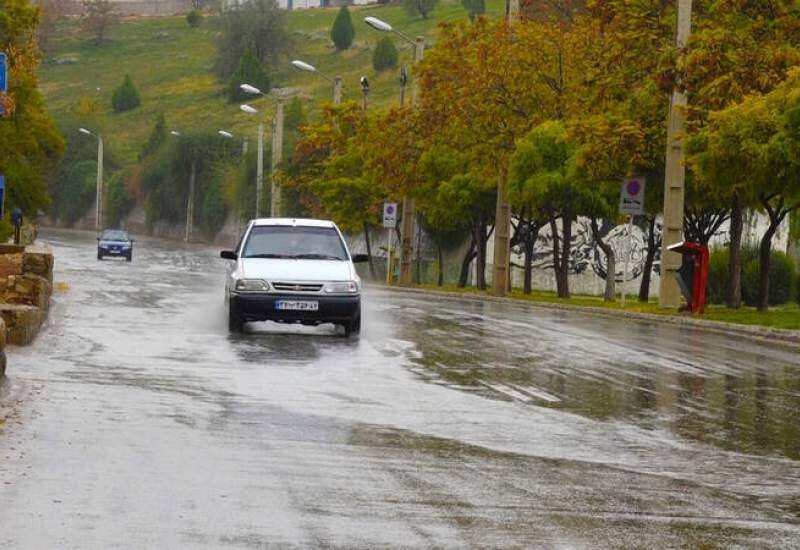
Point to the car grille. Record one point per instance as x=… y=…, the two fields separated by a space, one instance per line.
x=297 y=287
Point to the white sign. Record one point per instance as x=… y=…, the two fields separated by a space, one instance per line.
x=631 y=196
x=390 y=215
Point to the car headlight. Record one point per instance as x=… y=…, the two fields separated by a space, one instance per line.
x=252 y=285
x=347 y=287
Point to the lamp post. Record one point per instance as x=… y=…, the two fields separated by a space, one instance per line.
x=364 y=91
x=189 y=228
x=409 y=207
x=277 y=149
x=336 y=80
x=98 y=215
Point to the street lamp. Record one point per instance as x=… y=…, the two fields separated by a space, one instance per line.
x=277 y=150
x=336 y=80
x=409 y=208
x=98 y=221
x=225 y=134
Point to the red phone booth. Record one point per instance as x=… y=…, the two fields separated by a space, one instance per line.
x=693 y=275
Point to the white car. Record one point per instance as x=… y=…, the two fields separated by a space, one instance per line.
x=293 y=271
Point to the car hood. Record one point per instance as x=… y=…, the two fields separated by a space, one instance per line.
x=296 y=270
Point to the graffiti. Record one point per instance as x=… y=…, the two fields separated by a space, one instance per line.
x=587 y=255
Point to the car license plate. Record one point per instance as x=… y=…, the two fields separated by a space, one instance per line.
x=296 y=305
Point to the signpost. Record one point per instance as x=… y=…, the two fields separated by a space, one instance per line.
x=390 y=223
x=631 y=203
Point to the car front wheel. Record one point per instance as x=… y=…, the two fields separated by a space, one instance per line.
x=99 y=255
x=352 y=328
x=235 y=323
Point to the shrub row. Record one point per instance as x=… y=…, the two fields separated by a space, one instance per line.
x=784 y=283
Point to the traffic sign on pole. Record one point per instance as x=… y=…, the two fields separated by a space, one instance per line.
x=3 y=72
x=390 y=215
x=631 y=197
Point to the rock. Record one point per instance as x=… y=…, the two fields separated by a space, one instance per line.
x=66 y=60
x=10 y=263
x=37 y=261
x=22 y=322
x=162 y=35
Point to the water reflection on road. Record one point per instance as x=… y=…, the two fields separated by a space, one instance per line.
x=137 y=421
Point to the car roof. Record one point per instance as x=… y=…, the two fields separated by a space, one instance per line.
x=294 y=222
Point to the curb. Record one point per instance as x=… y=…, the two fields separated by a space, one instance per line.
x=783 y=337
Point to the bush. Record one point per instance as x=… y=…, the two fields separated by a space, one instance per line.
x=385 y=55
x=718 y=275
x=126 y=96
x=194 y=18
x=250 y=72
x=420 y=7
x=118 y=201
x=342 y=32
x=782 y=278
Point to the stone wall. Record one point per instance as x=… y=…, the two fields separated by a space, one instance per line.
x=26 y=285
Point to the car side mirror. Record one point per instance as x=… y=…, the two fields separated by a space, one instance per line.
x=133 y=241
x=228 y=255
x=360 y=258
x=98 y=239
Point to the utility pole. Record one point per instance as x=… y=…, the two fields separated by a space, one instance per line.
x=98 y=218
x=501 y=265
x=260 y=169
x=337 y=90
x=277 y=154
x=187 y=238
x=675 y=174
x=409 y=206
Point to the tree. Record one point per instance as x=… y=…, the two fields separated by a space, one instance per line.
x=30 y=144
x=125 y=96
x=257 y=24
x=385 y=55
x=99 y=17
x=194 y=18
x=753 y=148
x=158 y=136
x=52 y=12
x=343 y=32
x=250 y=72
x=422 y=8
x=475 y=8
x=542 y=176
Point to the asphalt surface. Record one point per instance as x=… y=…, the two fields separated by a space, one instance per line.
x=136 y=421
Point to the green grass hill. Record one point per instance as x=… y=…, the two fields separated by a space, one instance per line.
x=171 y=65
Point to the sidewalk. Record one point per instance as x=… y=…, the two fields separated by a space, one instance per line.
x=784 y=337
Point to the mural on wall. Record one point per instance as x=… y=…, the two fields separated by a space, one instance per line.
x=587 y=256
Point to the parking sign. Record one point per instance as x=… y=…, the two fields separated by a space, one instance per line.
x=631 y=196
x=390 y=215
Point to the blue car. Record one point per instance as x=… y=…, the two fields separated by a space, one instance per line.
x=115 y=243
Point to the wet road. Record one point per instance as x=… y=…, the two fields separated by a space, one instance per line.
x=136 y=421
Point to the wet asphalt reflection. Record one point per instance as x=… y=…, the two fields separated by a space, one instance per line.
x=137 y=421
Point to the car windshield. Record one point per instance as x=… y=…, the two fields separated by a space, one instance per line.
x=114 y=235
x=299 y=242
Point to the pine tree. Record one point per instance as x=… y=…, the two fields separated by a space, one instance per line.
x=343 y=32
x=157 y=137
x=250 y=72
x=126 y=96
x=385 y=55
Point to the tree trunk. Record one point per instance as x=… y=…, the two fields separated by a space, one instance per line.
x=369 y=251
x=440 y=275
x=556 y=250
x=734 y=297
x=611 y=263
x=463 y=277
x=418 y=267
x=644 y=288
x=764 y=254
x=562 y=277
x=481 y=238
x=530 y=242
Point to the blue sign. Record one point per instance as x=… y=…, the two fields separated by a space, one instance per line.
x=2 y=196
x=3 y=73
